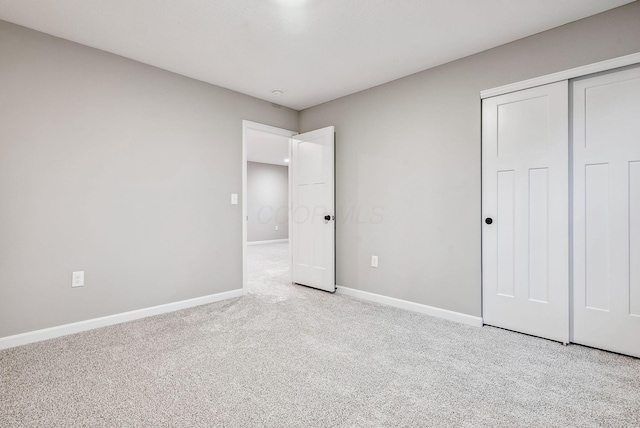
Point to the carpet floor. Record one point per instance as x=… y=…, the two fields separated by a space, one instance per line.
x=289 y=356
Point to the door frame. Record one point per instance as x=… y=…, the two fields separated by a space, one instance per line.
x=570 y=74
x=246 y=126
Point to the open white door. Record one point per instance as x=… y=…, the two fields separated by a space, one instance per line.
x=313 y=209
x=525 y=149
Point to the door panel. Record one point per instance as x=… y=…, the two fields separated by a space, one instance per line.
x=525 y=192
x=597 y=248
x=606 y=205
x=313 y=237
x=538 y=236
x=505 y=233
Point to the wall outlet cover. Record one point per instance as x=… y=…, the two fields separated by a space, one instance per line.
x=77 y=279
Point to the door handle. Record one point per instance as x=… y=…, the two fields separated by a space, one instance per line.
x=488 y=220
x=328 y=217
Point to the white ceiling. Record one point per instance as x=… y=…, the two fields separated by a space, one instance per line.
x=312 y=50
x=267 y=148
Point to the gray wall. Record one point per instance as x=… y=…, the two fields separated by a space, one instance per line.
x=267 y=202
x=119 y=169
x=410 y=150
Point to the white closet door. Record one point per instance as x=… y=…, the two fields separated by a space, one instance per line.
x=606 y=206
x=525 y=194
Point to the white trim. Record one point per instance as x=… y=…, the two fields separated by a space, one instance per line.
x=246 y=125
x=572 y=73
x=77 y=327
x=411 y=306
x=273 y=241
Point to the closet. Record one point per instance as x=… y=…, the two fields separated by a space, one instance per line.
x=561 y=210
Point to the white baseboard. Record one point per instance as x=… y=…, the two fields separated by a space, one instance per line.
x=274 y=241
x=411 y=306
x=76 y=327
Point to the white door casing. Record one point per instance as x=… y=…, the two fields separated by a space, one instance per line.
x=313 y=201
x=525 y=192
x=606 y=208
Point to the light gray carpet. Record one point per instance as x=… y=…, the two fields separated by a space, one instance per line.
x=291 y=356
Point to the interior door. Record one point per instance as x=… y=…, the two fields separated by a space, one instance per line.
x=525 y=211
x=606 y=206
x=313 y=210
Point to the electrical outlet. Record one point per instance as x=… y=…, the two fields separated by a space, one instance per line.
x=374 y=261
x=77 y=279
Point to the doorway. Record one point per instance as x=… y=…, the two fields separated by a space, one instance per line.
x=309 y=215
x=266 y=196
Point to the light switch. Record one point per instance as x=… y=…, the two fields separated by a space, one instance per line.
x=374 y=261
x=234 y=199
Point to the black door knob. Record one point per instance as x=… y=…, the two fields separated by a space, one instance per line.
x=488 y=220
x=327 y=217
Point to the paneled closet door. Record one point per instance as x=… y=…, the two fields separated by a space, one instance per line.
x=606 y=207
x=525 y=205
